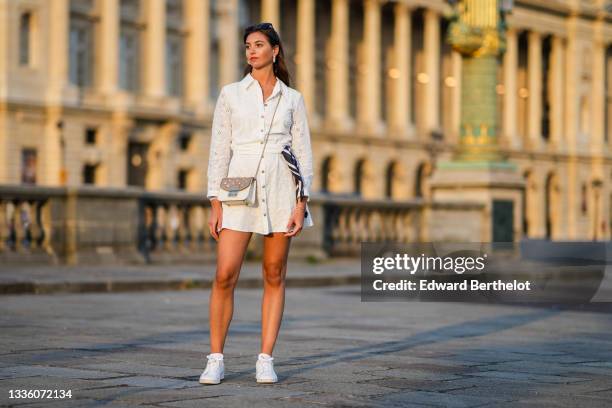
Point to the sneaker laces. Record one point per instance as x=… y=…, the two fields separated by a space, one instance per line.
x=212 y=360
x=265 y=368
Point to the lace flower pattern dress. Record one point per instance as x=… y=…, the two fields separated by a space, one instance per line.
x=240 y=122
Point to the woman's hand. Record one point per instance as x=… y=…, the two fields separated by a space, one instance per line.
x=296 y=221
x=216 y=218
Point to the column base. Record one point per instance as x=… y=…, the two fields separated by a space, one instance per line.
x=496 y=185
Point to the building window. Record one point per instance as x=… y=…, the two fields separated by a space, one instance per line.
x=390 y=179
x=182 y=179
x=358 y=177
x=89 y=173
x=129 y=45
x=184 y=141
x=91 y=136
x=25 y=38
x=81 y=45
x=174 y=47
x=583 y=201
x=28 y=166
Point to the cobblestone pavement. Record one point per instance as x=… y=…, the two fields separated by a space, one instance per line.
x=147 y=349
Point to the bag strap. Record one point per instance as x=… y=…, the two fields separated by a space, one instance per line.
x=271 y=122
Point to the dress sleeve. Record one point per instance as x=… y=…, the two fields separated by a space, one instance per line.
x=219 y=157
x=300 y=133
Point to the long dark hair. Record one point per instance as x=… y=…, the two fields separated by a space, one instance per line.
x=279 y=67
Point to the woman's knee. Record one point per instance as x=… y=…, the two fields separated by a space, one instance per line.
x=226 y=278
x=273 y=273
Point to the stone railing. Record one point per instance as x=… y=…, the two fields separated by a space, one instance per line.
x=349 y=221
x=174 y=224
x=98 y=225
x=25 y=223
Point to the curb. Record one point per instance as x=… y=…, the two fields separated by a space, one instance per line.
x=46 y=288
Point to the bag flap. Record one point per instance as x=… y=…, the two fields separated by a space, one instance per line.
x=235 y=183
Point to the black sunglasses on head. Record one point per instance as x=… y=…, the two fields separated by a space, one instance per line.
x=260 y=26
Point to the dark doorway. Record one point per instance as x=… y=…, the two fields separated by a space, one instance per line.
x=503 y=221
x=137 y=163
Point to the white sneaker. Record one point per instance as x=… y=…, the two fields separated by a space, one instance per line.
x=264 y=369
x=215 y=369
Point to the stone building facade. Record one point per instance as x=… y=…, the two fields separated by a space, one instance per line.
x=118 y=93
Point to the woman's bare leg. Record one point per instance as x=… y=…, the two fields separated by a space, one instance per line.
x=276 y=250
x=231 y=249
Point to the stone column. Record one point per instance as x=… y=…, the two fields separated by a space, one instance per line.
x=58 y=40
x=197 y=21
x=597 y=147
x=306 y=56
x=228 y=46
x=432 y=69
x=154 y=48
x=534 y=66
x=598 y=87
x=337 y=75
x=510 y=117
x=270 y=13
x=108 y=56
x=557 y=94
x=399 y=117
x=369 y=105
x=59 y=23
x=571 y=127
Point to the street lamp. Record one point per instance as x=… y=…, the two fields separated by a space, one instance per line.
x=596 y=184
x=62 y=140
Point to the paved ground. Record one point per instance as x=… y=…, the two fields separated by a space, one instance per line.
x=17 y=279
x=147 y=349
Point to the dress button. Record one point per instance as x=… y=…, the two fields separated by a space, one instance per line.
x=265 y=104
x=264 y=214
x=263 y=186
x=262 y=171
x=262 y=116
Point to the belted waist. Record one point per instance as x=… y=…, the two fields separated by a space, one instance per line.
x=256 y=148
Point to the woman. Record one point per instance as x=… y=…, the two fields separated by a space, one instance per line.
x=241 y=121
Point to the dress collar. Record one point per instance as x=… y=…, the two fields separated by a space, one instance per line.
x=248 y=80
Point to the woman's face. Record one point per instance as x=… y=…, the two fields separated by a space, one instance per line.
x=259 y=51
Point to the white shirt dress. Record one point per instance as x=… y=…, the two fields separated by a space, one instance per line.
x=240 y=123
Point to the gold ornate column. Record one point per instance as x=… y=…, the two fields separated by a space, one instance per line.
x=477 y=171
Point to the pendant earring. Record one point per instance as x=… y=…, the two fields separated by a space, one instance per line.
x=274 y=59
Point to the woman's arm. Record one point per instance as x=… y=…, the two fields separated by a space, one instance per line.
x=300 y=144
x=218 y=159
